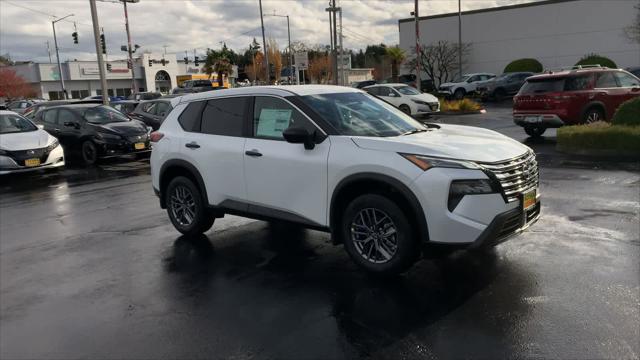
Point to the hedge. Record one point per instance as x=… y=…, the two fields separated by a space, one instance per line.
x=524 y=65
x=595 y=59
x=600 y=136
x=628 y=113
x=464 y=105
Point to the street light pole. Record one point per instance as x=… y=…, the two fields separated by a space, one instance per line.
x=418 y=53
x=264 y=45
x=460 y=38
x=289 y=37
x=55 y=41
x=96 y=38
x=134 y=87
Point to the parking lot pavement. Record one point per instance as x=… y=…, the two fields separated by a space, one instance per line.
x=90 y=267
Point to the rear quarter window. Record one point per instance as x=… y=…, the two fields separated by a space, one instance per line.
x=577 y=83
x=191 y=117
x=541 y=86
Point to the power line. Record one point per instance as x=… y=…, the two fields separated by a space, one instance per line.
x=44 y=13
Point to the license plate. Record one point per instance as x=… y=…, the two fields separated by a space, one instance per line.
x=32 y=162
x=532 y=119
x=529 y=199
x=139 y=146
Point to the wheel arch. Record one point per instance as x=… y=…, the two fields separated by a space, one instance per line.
x=591 y=105
x=177 y=167
x=362 y=183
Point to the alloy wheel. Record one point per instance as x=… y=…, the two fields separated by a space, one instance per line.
x=593 y=116
x=183 y=205
x=374 y=235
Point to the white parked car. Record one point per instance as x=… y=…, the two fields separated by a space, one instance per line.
x=24 y=146
x=466 y=85
x=405 y=98
x=340 y=160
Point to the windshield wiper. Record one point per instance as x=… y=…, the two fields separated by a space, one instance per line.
x=414 y=131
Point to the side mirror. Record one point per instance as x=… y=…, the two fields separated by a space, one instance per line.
x=298 y=135
x=391 y=94
x=72 y=124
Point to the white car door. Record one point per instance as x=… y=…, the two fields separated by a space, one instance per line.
x=282 y=178
x=215 y=147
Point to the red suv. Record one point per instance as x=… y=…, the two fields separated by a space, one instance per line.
x=568 y=97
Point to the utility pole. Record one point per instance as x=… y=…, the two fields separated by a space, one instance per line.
x=96 y=38
x=334 y=38
x=134 y=87
x=460 y=38
x=55 y=41
x=264 y=45
x=342 y=81
x=48 y=51
x=418 y=52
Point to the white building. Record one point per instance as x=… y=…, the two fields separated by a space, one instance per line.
x=82 y=78
x=555 y=32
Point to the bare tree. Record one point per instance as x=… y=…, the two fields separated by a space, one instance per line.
x=632 y=31
x=440 y=60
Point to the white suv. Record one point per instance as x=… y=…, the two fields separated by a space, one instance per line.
x=468 y=84
x=340 y=160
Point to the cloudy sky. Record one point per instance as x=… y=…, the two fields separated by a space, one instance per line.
x=25 y=25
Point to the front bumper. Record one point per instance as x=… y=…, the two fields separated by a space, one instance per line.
x=54 y=159
x=538 y=120
x=422 y=109
x=123 y=147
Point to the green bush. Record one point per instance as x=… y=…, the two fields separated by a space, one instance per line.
x=600 y=136
x=464 y=105
x=628 y=113
x=523 y=65
x=595 y=59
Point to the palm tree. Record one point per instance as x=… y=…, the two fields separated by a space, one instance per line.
x=222 y=67
x=397 y=56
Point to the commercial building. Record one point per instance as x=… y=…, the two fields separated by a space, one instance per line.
x=555 y=32
x=154 y=72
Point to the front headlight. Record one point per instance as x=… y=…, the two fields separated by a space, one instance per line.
x=3 y=152
x=425 y=163
x=419 y=102
x=54 y=144
x=460 y=188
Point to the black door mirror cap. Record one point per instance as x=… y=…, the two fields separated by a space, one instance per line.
x=299 y=135
x=72 y=124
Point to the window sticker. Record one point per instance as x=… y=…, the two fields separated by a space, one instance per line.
x=273 y=122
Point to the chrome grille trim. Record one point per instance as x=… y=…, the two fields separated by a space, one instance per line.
x=515 y=175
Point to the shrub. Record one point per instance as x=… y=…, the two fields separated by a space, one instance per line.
x=628 y=113
x=595 y=59
x=522 y=65
x=464 y=105
x=600 y=136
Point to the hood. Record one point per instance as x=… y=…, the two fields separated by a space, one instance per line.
x=128 y=128
x=450 y=141
x=425 y=97
x=25 y=140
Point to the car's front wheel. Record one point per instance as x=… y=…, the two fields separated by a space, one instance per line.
x=534 y=132
x=89 y=152
x=185 y=207
x=377 y=235
x=459 y=94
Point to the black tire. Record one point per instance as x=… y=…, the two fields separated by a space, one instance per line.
x=400 y=246
x=534 y=132
x=185 y=207
x=459 y=94
x=405 y=109
x=499 y=95
x=592 y=115
x=89 y=153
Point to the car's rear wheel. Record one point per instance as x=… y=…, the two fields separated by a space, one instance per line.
x=405 y=109
x=377 y=235
x=593 y=115
x=185 y=207
x=89 y=152
x=459 y=94
x=534 y=132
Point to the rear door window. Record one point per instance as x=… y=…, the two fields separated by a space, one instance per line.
x=224 y=116
x=606 y=80
x=49 y=116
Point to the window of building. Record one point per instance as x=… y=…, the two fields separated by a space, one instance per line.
x=224 y=116
x=56 y=95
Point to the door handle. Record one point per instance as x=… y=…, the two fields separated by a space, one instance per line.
x=253 y=152
x=192 y=145
x=56 y=130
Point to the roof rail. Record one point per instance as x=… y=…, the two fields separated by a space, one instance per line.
x=574 y=68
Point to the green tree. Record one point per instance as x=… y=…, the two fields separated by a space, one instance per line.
x=218 y=62
x=595 y=59
x=396 y=56
x=633 y=31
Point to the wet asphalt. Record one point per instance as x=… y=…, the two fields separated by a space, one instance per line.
x=90 y=267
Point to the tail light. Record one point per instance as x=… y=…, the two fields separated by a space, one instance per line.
x=156 y=136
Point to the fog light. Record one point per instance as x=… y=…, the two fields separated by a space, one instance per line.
x=460 y=188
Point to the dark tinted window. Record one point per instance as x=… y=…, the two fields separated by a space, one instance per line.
x=606 y=80
x=271 y=116
x=224 y=116
x=65 y=115
x=50 y=116
x=162 y=109
x=190 y=117
x=575 y=83
x=373 y=90
x=542 y=86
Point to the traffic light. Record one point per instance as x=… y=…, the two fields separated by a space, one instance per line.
x=150 y=63
x=108 y=67
x=186 y=60
x=103 y=44
x=163 y=62
x=195 y=61
x=75 y=37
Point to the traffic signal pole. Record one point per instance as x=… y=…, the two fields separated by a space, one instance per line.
x=134 y=87
x=96 y=38
x=55 y=41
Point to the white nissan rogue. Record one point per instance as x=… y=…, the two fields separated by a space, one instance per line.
x=338 y=159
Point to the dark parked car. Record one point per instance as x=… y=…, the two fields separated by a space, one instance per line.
x=125 y=106
x=363 y=84
x=568 y=97
x=94 y=131
x=635 y=70
x=144 y=96
x=507 y=84
x=152 y=112
x=33 y=110
x=193 y=86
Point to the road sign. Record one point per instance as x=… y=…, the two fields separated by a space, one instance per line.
x=301 y=60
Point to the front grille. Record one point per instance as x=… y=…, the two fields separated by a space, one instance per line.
x=511 y=225
x=21 y=155
x=515 y=175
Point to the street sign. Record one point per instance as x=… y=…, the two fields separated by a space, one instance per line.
x=346 y=61
x=301 y=60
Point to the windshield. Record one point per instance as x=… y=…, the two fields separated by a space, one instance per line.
x=407 y=90
x=462 y=79
x=358 y=114
x=104 y=115
x=13 y=123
